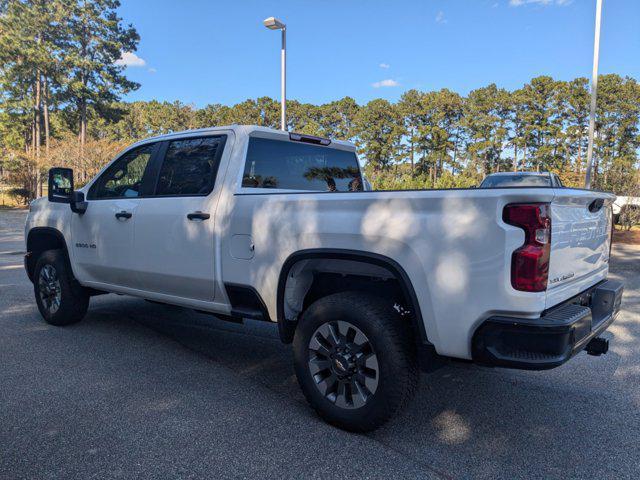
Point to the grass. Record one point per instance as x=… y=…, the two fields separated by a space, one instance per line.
x=631 y=237
x=13 y=207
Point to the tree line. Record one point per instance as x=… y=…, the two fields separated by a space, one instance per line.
x=61 y=84
x=58 y=72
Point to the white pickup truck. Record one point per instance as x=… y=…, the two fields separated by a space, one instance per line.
x=249 y=222
x=622 y=204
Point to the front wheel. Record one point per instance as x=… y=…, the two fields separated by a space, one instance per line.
x=355 y=360
x=61 y=300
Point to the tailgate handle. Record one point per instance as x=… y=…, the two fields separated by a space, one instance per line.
x=596 y=205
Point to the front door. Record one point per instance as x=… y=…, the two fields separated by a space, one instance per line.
x=102 y=238
x=174 y=240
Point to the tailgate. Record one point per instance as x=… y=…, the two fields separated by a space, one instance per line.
x=580 y=241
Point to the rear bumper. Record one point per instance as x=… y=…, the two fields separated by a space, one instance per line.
x=553 y=338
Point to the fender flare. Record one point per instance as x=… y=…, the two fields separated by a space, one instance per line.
x=29 y=260
x=286 y=334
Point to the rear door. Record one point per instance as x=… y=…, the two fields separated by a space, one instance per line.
x=580 y=242
x=174 y=240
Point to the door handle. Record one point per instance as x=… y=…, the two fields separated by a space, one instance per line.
x=198 y=216
x=123 y=214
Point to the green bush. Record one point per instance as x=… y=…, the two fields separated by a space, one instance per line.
x=21 y=195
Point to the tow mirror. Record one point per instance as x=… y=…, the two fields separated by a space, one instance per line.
x=60 y=185
x=61 y=189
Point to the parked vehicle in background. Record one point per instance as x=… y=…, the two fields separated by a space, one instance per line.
x=626 y=210
x=250 y=222
x=521 y=179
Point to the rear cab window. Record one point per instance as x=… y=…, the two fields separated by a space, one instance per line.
x=523 y=181
x=289 y=165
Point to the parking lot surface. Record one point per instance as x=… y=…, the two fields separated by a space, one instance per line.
x=140 y=390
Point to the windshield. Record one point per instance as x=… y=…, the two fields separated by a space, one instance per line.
x=516 y=181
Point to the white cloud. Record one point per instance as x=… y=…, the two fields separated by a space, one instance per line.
x=130 y=59
x=152 y=70
x=519 y=3
x=384 y=65
x=389 y=82
x=440 y=17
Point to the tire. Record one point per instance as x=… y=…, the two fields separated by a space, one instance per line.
x=382 y=344
x=60 y=298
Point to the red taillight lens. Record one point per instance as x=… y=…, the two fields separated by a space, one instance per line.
x=611 y=230
x=530 y=262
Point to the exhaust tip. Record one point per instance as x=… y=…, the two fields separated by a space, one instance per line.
x=597 y=346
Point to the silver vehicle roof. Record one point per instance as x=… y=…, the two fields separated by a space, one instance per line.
x=513 y=174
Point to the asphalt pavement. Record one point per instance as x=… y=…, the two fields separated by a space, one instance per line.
x=140 y=390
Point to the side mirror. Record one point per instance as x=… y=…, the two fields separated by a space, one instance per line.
x=61 y=190
x=78 y=205
x=60 y=185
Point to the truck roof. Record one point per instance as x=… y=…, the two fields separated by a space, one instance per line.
x=239 y=129
x=511 y=174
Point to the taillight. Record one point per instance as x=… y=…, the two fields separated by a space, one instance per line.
x=530 y=262
x=611 y=230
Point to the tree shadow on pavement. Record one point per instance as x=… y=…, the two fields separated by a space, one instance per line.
x=465 y=421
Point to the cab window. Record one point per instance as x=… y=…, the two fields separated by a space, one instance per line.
x=190 y=166
x=123 y=179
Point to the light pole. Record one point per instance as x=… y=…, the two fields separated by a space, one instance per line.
x=594 y=93
x=273 y=23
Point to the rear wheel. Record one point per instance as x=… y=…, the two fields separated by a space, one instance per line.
x=354 y=360
x=61 y=300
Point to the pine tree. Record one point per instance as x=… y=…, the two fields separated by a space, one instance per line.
x=410 y=108
x=97 y=39
x=577 y=121
x=30 y=39
x=485 y=122
x=378 y=129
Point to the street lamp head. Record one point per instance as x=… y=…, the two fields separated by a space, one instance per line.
x=273 y=23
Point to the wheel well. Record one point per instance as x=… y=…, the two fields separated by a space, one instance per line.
x=327 y=283
x=41 y=239
x=310 y=275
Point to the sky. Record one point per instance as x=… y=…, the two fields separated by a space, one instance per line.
x=202 y=52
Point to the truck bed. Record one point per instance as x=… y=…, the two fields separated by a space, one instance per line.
x=453 y=245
